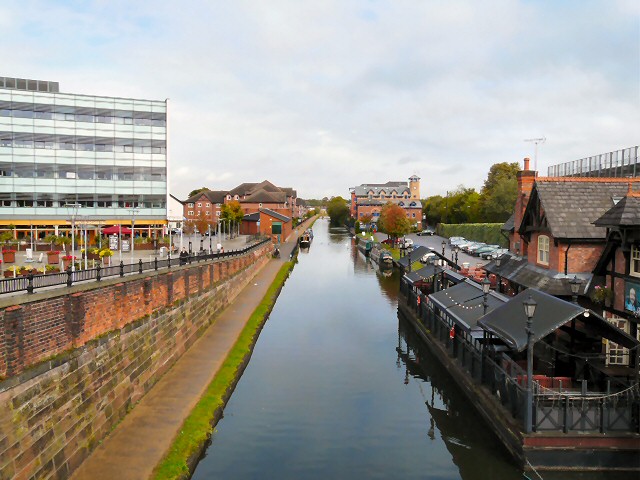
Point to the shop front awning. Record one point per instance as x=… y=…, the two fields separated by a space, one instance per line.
x=464 y=303
x=508 y=322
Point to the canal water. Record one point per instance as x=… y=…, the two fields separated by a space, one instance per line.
x=339 y=387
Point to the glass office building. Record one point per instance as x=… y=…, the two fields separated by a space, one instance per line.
x=108 y=155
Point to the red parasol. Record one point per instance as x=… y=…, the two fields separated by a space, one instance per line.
x=116 y=229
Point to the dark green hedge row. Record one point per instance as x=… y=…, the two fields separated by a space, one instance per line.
x=481 y=232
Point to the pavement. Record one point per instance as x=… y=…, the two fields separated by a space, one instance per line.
x=140 y=441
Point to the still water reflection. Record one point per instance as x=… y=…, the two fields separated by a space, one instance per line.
x=339 y=387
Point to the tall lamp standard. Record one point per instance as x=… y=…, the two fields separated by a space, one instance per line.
x=486 y=286
x=72 y=209
x=456 y=249
x=133 y=211
x=498 y=262
x=443 y=245
x=529 y=310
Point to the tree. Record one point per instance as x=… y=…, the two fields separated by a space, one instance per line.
x=338 y=211
x=498 y=195
x=232 y=213
x=197 y=190
x=202 y=223
x=393 y=221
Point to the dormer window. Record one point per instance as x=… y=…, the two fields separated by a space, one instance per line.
x=543 y=250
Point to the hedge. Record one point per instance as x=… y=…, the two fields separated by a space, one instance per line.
x=480 y=232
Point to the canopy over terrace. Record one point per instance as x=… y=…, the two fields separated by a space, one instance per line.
x=424 y=273
x=464 y=304
x=508 y=322
x=116 y=229
x=413 y=256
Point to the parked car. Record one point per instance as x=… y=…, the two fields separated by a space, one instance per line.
x=428 y=258
x=456 y=240
x=406 y=243
x=427 y=231
x=498 y=253
x=389 y=241
x=486 y=249
x=465 y=246
x=472 y=249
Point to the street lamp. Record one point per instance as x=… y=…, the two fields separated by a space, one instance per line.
x=574 y=283
x=498 y=262
x=133 y=211
x=529 y=310
x=72 y=209
x=486 y=286
x=443 y=245
x=456 y=249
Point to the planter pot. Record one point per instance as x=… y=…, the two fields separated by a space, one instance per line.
x=8 y=274
x=9 y=257
x=53 y=258
x=55 y=270
x=93 y=256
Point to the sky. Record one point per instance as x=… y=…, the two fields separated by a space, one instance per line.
x=323 y=96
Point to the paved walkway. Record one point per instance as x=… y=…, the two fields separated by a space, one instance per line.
x=140 y=441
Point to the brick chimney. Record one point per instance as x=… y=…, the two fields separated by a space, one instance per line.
x=526 y=179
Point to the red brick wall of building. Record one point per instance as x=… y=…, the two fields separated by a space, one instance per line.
x=582 y=257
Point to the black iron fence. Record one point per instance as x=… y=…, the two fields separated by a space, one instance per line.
x=554 y=409
x=31 y=282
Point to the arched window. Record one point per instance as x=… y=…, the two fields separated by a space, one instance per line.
x=543 y=249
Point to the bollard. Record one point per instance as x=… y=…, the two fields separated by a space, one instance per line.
x=121 y=268
x=140 y=266
x=30 y=285
x=69 y=276
x=98 y=271
x=155 y=263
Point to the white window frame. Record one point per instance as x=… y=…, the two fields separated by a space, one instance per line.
x=634 y=261
x=208 y=205
x=542 y=239
x=190 y=205
x=199 y=205
x=617 y=354
x=190 y=213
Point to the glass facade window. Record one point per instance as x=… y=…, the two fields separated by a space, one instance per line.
x=65 y=148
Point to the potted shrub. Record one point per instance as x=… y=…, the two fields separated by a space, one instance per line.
x=53 y=256
x=105 y=254
x=9 y=256
x=12 y=271
x=602 y=294
x=51 y=269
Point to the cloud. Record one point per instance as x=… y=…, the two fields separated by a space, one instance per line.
x=327 y=95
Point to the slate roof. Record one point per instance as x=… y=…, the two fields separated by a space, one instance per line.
x=424 y=273
x=401 y=188
x=626 y=213
x=252 y=217
x=518 y=270
x=277 y=215
x=214 y=196
x=265 y=196
x=571 y=205
x=509 y=225
x=415 y=255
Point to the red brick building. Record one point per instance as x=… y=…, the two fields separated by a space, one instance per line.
x=269 y=223
x=207 y=204
x=368 y=199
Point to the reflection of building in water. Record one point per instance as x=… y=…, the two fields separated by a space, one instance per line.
x=472 y=446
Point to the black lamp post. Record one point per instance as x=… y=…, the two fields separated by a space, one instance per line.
x=529 y=310
x=443 y=245
x=498 y=262
x=456 y=249
x=486 y=286
x=574 y=283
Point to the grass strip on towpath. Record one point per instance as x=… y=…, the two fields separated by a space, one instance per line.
x=198 y=426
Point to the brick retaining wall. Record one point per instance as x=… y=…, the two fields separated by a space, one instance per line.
x=78 y=361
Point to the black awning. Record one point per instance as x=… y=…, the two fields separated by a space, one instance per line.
x=423 y=274
x=413 y=256
x=508 y=322
x=464 y=303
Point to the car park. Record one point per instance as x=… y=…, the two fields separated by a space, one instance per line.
x=428 y=258
x=406 y=243
x=456 y=240
x=497 y=253
x=426 y=232
x=472 y=249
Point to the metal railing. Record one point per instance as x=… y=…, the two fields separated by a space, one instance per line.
x=29 y=283
x=620 y=163
x=554 y=409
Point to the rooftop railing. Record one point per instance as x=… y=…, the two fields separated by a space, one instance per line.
x=620 y=163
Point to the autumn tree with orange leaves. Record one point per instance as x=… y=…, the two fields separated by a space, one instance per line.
x=393 y=221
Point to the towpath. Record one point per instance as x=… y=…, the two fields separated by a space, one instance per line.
x=143 y=437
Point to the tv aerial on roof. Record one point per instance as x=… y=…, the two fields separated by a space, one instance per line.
x=535 y=153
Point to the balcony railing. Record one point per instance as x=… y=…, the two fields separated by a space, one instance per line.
x=620 y=163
